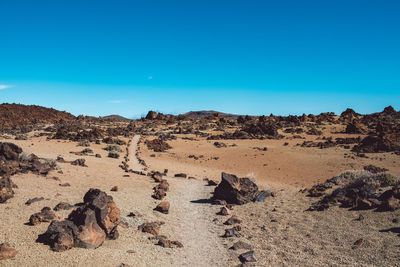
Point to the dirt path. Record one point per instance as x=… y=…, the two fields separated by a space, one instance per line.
x=190 y=220
x=134 y=161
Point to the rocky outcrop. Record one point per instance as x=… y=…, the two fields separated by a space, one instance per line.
x=88 y=226
x=235 y=190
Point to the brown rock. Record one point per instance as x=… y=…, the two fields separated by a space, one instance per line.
x=45 y=215
x=87 y=226
x=79 y=162
x=150 y=227
x=225 y=211
x=249 y=256
x=7 y=252
x=163 y=207
x=63 y=206
x=235 y=190
x=159 y=194
x=6 y=189
x=233 y=220
x=33 y=200
x=241 y=245
x=114 y=188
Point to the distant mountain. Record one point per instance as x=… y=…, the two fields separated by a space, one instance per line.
x=207 y=113
x=12 y=115
x=116 y=118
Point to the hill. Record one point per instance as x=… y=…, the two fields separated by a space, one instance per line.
x=12 y=115
x=207 y=113
x=116 y=118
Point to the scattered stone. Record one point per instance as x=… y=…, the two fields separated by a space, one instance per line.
x=233 y=220
x=263 y=195
x=45 y=215
x=163 y=207
x=114 y=188
x=219 y=144
x=181 y=175
x=33 y=200
x=249 y=256
x=232 y=232
x=7 y=252
x=135 y=214
x=6 y=189
x=63 y=206
x=358 y=243
x=165 y=243
x=97 y=156
x=241 y=245
x=131 y=251
x=159 y=194
x=79 y=162
x=225 y=211
x=65 y=185
x=151 y=227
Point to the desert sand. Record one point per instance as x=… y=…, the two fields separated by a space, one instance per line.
x=280 y=230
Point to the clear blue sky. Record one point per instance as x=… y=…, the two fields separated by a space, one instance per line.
x=248 y=57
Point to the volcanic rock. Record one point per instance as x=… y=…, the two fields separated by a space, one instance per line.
x=79 y=162
x=87 y=226
x=181 y=175
x=7 y=252
x=233 y=220
x=33 y=200
x=241 y=245
x=6 y=189
x=235 y=190
x=163 y=207
x=249 y=256
x=45 y=215
x=225 y=211
x=151 y=227
x=63 y=206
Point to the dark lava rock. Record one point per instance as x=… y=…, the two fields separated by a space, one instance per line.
x=233 y=220
x=88 y=226
x=6 y=189
x=165 y=243
x=45 y=215
x=249 y=256
x=232 y=232
x=79 y=162
x=151 y=227
x=241 y=245
x=235 y=190
x=33 y=200
x=157 y=145
x=263 y=195
x=181 y=175
x=63 y=206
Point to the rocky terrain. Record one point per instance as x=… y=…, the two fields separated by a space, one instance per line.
x=199 y=189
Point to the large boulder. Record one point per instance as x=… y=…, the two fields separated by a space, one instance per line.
x=9 y=151
x=235 y=190
x=88 y=226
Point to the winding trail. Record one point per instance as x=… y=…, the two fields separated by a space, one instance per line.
x=134 y=161
x=190 y=220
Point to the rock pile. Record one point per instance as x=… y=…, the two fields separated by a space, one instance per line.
x=157 y=145
x=87 y=226
x=358 y=190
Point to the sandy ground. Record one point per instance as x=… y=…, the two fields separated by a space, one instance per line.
x=281 y=232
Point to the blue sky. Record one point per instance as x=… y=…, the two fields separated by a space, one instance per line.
x=246 y=57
